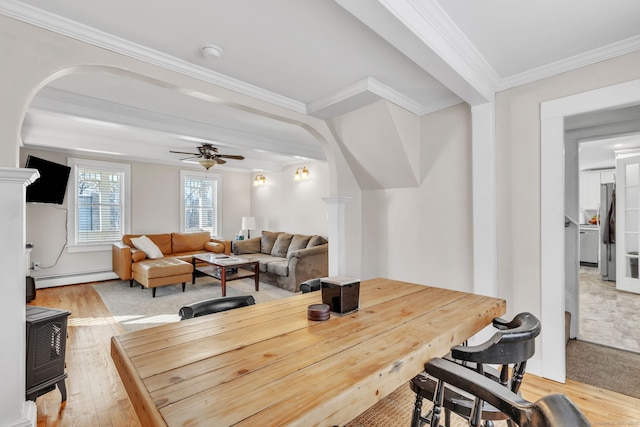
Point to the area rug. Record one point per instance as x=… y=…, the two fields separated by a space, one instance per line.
x=134 y=308
x=604 y=367
x=396 y=409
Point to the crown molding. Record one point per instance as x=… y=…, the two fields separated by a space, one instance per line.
x=48 y=21
x=612 y=50
x=430 y=23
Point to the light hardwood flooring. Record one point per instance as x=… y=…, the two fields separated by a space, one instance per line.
x=96 y=397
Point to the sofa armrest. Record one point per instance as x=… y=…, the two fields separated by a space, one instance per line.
x=226 y=243
x=301 y=253
x=309 y=263
x=121 y=260
x=249 y=246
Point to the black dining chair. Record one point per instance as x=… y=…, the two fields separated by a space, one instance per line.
x=554 y=410
x=215 y=305
x=310 y=285
x=509 y=348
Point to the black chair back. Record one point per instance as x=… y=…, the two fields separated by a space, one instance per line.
x=310 y=285
x=514 y=342
x=554 y=410
x=216 y=305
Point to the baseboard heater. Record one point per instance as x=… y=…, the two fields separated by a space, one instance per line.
x=74 y=279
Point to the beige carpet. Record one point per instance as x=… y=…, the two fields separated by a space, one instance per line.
x=604 y=367
x=134 y=308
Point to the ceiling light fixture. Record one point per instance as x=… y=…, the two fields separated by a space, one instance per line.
x=301 y=173
x=211 y=51
x=207 y=163
x=260 y=180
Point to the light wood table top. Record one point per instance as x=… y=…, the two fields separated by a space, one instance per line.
x=267 y=364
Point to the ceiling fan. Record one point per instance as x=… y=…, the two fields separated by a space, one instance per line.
x=208 y=156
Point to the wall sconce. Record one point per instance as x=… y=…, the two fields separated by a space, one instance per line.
x=301 y=173
x=260 y=180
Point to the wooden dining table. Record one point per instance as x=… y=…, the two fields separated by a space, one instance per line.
x=268 y=365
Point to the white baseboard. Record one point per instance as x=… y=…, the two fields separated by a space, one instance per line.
x=29 y=416
x=73 y=279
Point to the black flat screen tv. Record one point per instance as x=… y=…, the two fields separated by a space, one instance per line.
x=51 y=185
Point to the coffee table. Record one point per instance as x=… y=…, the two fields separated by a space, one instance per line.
x=218 y=266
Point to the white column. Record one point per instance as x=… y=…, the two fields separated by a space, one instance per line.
x=15 y=410
x=337 y=234
x=485 y=228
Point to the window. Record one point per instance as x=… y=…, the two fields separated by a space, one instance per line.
x=200 y=202
x=98 y=202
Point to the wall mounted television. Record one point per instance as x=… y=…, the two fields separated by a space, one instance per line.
x=52 y=184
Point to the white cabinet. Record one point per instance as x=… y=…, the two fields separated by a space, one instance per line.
x=590 y=187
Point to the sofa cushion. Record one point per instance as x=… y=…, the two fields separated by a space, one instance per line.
x=299 y=241
x=281 y=246
x=280 y=268
x=268 y=240
x=166 y=267
x=188 y=242
x=316 y=241
x=146 y=245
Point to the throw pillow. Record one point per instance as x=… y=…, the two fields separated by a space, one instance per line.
x=267 y=241
x=299 y=241
x=147 y=246
x=281 y=246
x=316 y=241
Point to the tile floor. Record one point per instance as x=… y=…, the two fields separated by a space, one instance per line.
x=608 y=316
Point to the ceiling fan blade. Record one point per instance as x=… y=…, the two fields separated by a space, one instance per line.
x=230 y=156
x=193 y=156
x=182 y=152
x=220 y=161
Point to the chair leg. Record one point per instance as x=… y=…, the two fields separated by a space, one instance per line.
x=437 y=405
x=184 y=284
x=153 y=292
x=417 y=411
x=447 y=417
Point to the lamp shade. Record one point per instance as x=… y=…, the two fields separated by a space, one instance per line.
x=248 y=223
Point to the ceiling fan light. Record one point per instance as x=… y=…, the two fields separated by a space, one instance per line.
x=207 y=163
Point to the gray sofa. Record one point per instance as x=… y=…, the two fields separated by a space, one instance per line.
x=286 y=260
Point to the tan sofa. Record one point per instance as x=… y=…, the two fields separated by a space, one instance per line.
x=175 y=265
x=286 y=260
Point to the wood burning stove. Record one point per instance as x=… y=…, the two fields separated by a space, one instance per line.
x=46 y=344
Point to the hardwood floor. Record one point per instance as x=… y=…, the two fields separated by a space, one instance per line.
x=96 y=397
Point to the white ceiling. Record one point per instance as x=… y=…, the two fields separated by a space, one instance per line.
x=319 y=57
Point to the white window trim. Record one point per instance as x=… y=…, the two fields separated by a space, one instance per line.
x=72 y=194
x=183 y=175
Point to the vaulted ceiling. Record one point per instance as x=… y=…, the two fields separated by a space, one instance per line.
x=317 y=57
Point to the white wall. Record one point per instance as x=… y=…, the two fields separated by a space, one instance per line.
x=519 y=174
x=424 y=234
x=155 y=208
x=283 y=204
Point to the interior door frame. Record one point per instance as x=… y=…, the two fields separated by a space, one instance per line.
x=552 y=241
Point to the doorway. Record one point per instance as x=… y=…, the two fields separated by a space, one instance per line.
x=552 y=257
x=603 y=312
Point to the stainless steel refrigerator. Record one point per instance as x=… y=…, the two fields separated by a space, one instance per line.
x=607 y=223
